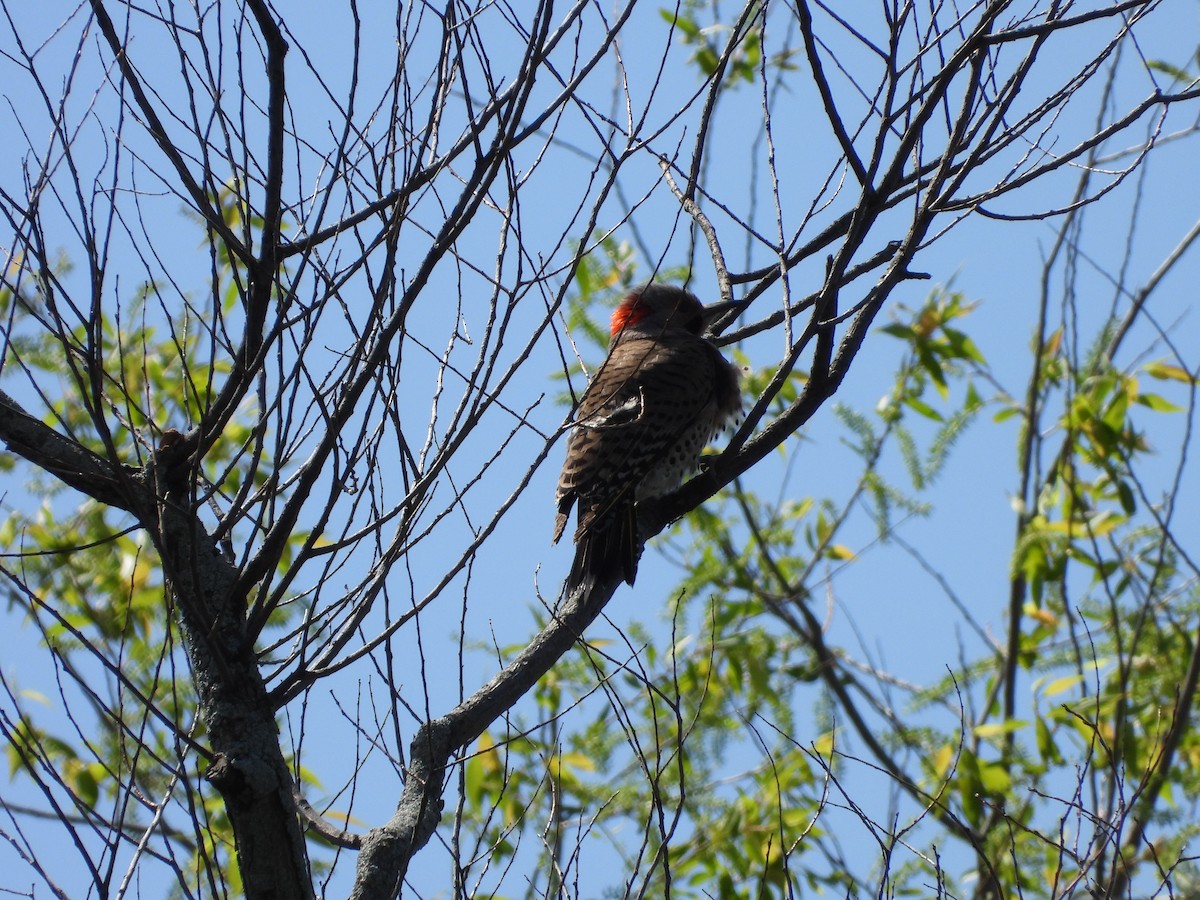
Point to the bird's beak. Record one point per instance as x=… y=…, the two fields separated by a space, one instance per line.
x=715 y=311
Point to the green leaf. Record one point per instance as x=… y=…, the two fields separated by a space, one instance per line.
x=85 y=784
x=1062 y=685
x=923 y=408
x=683 y=23
x=1157 y=403
x=1047 y=748
x=1167 y=372
x=996 y=729
x=995 y=779
x=970 y=788
x=1126 y=496
x=1175 y=72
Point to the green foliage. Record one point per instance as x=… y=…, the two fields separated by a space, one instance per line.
x=709 y=42
x=150 y=376
x=1102 y=607
x=604 y=273
x=91 y=587
x=675 y=713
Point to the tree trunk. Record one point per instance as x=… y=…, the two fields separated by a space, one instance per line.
x=248 y=767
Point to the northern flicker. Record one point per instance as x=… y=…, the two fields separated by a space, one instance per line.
x=649 y=410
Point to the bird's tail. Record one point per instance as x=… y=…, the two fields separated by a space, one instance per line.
x=606 y=550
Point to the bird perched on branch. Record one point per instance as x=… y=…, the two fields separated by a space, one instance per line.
x=650 y=409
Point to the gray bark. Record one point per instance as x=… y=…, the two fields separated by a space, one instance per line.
x=247 y=764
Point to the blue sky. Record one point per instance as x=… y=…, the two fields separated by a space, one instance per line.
x=885 y=598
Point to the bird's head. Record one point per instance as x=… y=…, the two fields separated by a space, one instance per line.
x=655 y=308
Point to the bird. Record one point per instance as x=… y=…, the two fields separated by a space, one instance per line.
x=662 y=393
